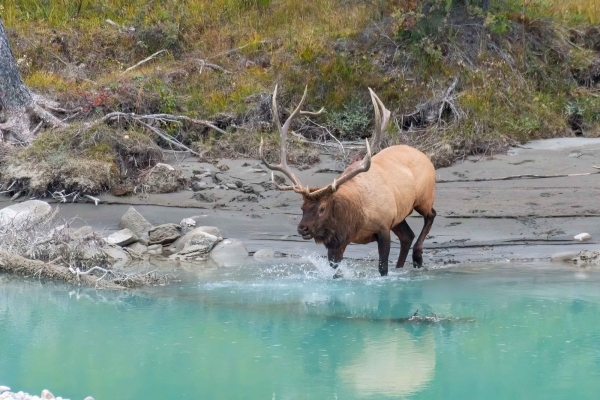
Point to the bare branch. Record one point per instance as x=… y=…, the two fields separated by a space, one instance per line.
x=145 y=60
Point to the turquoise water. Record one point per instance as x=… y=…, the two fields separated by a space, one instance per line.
x=291 y=332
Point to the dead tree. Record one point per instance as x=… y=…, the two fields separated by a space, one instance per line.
x=20 y=108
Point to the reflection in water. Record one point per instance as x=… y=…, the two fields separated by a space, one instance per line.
x=509 y=332
x=396 y=364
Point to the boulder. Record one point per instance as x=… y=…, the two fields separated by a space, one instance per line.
x=122 y=238
x=264 y=255
x=164 y=178
x=136 y=223
x=46 y=395
x=155 y=250
x=229 y=253
x=138 y=247
x=199 y=236
x=164 y=234
x=30 y=212
x=119 y=256
x=4 y=389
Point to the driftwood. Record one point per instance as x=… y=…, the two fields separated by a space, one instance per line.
x=23 y=266
x=508 y=178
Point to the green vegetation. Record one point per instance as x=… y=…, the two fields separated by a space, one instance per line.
x=525 y=70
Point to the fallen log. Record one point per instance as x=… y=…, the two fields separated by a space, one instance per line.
x=16 y=264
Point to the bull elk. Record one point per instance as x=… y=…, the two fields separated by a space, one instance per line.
x=369 y=199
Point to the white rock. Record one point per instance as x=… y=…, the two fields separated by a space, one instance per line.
x=122 y=238
x=84 y=232
x=89 y=398
x=121 y=257
x=197 y=248
x=167 y=166
x=31 y=211
x=264 y=254
x=229 y=253
x=4 y=389
x=138 y=247
x=135 y=222
x=582 y=237
x=164 y=234
x=155 y=249
x=198 y=236
x=187 y=224
x=46 y=395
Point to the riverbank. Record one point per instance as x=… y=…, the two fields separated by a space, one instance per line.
x=480 y=218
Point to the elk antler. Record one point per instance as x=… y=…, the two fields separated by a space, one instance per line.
x=348 y=174
x=382 y=119
x=282 y=166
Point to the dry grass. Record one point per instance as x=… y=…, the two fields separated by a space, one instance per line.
x=519 y=78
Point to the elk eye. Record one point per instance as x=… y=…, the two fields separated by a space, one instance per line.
x=321 y=209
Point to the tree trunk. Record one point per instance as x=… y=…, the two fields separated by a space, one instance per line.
x=17 y=104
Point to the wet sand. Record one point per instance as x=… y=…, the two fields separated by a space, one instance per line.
x=498 y=220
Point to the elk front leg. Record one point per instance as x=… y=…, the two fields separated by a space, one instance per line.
x=383 y=245
x=335 y=255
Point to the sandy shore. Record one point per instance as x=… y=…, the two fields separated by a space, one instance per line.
x=516 y=219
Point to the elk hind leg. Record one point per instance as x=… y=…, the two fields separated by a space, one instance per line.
x=428 y=217
x=406 y=237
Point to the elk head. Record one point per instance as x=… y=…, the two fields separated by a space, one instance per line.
x=318 y=209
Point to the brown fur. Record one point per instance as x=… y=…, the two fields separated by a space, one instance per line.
x=370 y=205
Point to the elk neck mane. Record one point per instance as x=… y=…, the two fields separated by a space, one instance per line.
x=345 y=218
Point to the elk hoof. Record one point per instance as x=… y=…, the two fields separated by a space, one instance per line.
x=338 y=274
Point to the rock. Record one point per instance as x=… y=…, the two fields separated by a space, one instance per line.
x=155 y=250
x=163 y=178
x=231 y=186
x=165 y=166
x=89 y=398
x=199 y=185
x=46 y=395
x=138 y=247
x=566 y=256
x=135 y=222
x=196 y=248
x=120 y=257
x=122 y=238
x=84 y=232
x=223 y=167
x=31 y=212
x=205 y=197
x=164 y=234
x=202 y=236
x=264 y=254
x=4 y=389
x=228 y=253
x=213 y=230
x=187 y=224
x=582 y=237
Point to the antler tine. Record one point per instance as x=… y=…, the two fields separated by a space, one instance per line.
x=283 y=166
x=382 y=119
x=350 y=173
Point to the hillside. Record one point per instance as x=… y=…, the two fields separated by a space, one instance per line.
x=458 y=80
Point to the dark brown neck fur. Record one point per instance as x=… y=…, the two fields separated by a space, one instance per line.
x=345 y=219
